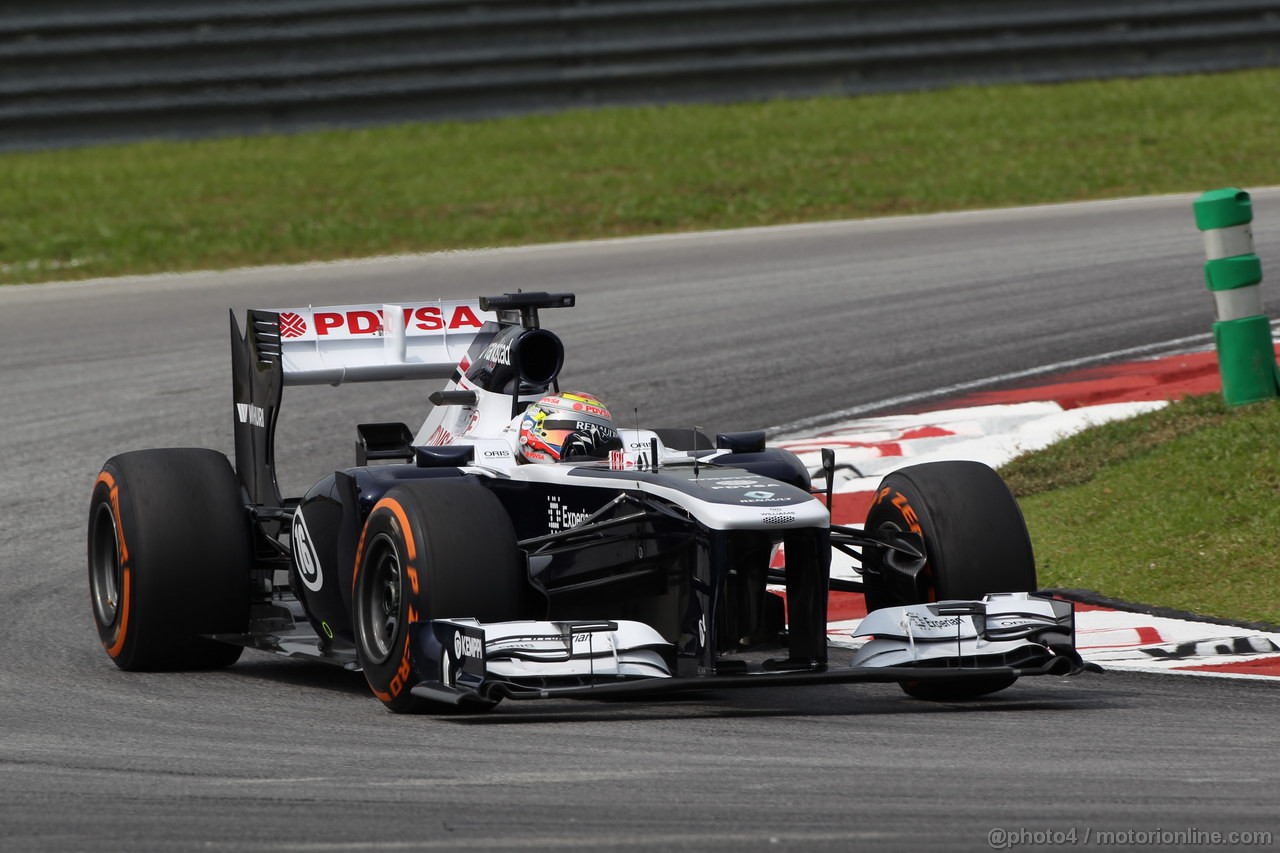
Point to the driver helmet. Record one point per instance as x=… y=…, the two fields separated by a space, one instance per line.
x=566 y=426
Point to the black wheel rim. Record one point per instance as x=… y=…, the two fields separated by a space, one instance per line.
x=106 y=572
x=378 y=603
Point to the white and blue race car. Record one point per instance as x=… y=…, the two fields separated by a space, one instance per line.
x=520 y=545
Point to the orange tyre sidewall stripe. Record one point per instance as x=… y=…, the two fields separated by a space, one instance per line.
x=402 y=518
x=393 y=506
x=122 y=626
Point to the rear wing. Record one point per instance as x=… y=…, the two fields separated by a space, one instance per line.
x=329 y=346
x=353 y=343
x=371 y=343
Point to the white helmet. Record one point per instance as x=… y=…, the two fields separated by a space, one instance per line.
x=564 y=426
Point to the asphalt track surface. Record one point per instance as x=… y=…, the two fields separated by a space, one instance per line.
x=721 y=331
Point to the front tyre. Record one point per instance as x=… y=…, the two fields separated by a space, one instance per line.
x=975 y=540
x=169 y=555
x=432 y=549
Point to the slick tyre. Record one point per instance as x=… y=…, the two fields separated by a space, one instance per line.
x=169 y=558
x=430 y=550
x=975 y=541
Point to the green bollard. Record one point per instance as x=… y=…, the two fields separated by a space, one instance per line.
x=1233 y=273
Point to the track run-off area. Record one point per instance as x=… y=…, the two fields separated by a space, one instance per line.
x=783 y=327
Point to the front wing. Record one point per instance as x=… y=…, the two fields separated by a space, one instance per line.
x=1013 y=634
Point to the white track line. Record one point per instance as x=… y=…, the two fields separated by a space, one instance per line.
x=1187 y=344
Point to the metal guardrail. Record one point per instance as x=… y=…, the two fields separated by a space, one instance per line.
x=75 y=72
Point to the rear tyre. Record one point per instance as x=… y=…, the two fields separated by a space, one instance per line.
x=431 y=550
x=975 y=540
x=169 y=559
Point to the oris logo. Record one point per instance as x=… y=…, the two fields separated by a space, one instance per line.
x=497 y=454
x=467 y=647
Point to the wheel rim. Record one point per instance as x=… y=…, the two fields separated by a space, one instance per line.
x=105 y=569
x=378 y=607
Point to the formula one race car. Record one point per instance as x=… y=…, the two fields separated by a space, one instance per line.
x=521 y=546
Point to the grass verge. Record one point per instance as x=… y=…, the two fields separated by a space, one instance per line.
x=1177 y=508
x=275 y=199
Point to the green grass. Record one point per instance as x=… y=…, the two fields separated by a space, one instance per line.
x=1178 y=508
x=588 y=174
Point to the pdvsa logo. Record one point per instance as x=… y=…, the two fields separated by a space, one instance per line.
x=359 y=322
x=292 y=325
